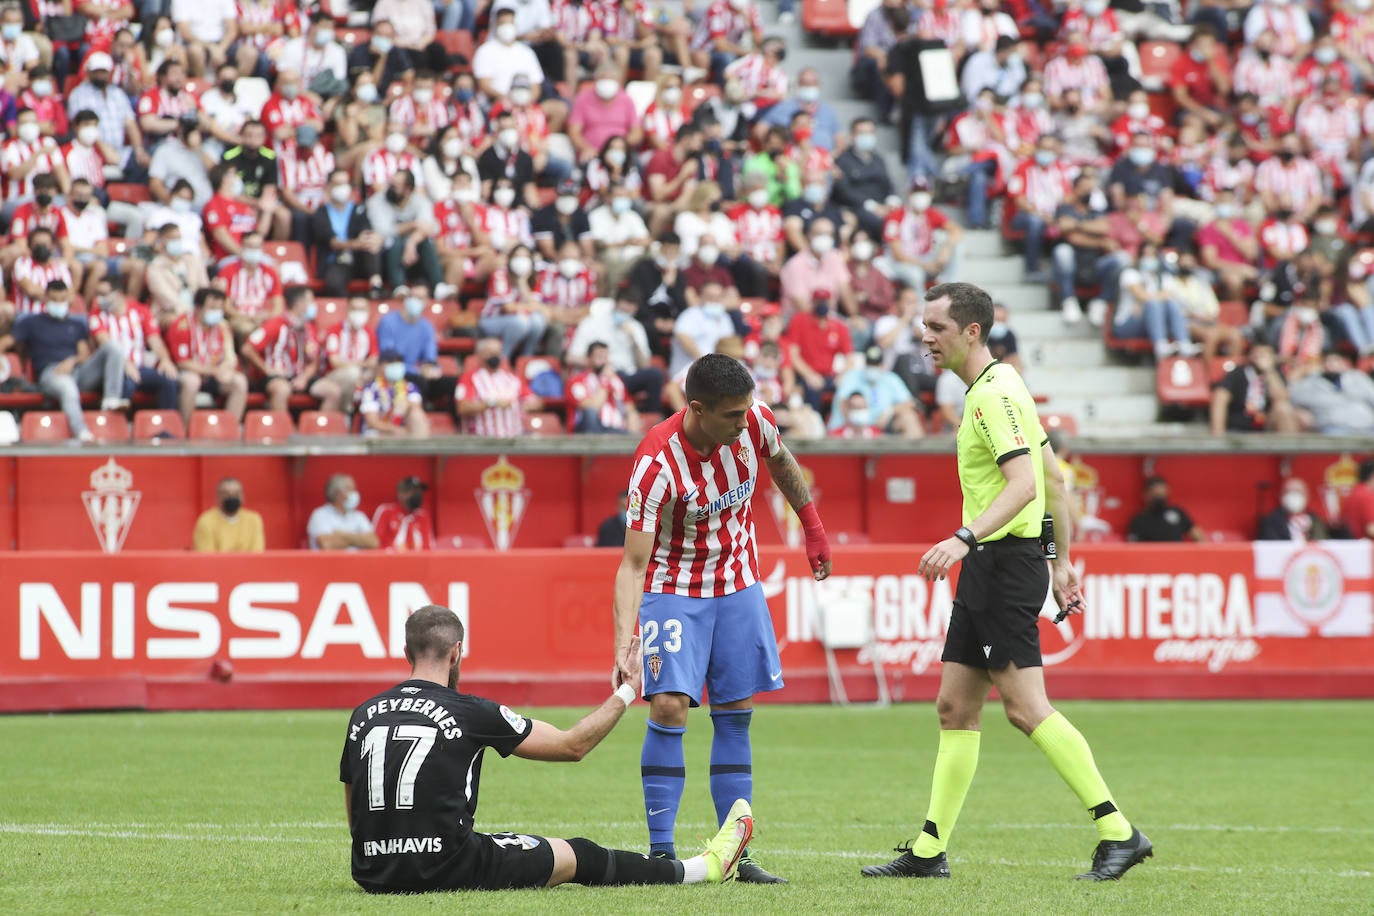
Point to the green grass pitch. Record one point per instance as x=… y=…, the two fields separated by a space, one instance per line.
x=1254 y=808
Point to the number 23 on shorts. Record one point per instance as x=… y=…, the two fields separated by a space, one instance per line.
x=672 y=636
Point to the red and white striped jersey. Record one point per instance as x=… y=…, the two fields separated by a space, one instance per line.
x=421 y=119
x=1300 y=180
x=759 y=231
x=1046 y=189
x=190 y=341
x=1101 y=31
x=1282 y=241
x=100 y=30
x=84 y=162
x=500 y=291
x=1222 y=175
x=454 y=231
x=249 y=288
x=381 y=165
x=27 y=218
x=562 y=292
x=507 y=228
x=1354 y=33
x=305 y=176
x=280 y=111
x=287 y=350
x=1088 y=76
x=1272 y=80
x=617 y=22
x=471 y=123
x=575 y=21
x=612 y=410
x=757 y=76
x=597 y=179
x=1032 y=124
x=1289 y=25
x=1126 y=127
x=27 y=270
x=158 y=101
x=349 y=344
x=132 y=331
x=699 y=507
x=943 y=25
x=723 y=21
x=18 y=152
x=481 y=384
x=258 y=14
x=1329 y=131
x=913 y=234
x=662 y=123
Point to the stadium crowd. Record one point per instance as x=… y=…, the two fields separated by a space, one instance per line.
x=488 y=219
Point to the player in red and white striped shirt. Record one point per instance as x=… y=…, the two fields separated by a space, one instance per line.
x=286 y=353
x=304 y=174
x=1267 y=76
x=758 y=226
x=203 y=347
x=420 y=113
x=385 y=161
x=603 y=402
x=1078 y=69
x=30 y=155
x=350 y=350
x=567 y=287
x=491 y=399
x=719 y=36
x=1290 y=174
x=690 y=575
x=254 y=287
x=761 y=74
x=149 y=367
x=1331 y=126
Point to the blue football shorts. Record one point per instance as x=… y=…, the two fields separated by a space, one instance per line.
x=726 y=643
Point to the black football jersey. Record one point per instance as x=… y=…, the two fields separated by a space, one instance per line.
x=413 y=756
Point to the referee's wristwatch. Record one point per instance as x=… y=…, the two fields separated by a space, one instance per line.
x=966 y=535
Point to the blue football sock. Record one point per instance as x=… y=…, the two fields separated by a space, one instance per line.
x=732 y=760
x=663 y=771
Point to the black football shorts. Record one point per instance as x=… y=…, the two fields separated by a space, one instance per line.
x=1002 y=587
x=505 y=861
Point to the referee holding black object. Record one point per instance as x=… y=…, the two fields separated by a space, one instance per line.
x=1009 y=478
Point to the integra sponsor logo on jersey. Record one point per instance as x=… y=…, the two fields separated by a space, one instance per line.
x=431 y=710
x=403 y=845
x=727 y=499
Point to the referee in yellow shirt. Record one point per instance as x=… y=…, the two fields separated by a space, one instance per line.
x=228 y=527
x=1009 y=477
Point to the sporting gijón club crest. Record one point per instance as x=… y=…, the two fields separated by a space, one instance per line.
x=110 y=504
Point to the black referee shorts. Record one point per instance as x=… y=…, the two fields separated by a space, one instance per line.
x=505 y=861
x=1002 y=587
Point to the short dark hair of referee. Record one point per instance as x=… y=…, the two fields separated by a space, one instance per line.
x=1009 y=477
x=412 y=765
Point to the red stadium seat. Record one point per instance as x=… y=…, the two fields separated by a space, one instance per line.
x=543 y=424
x=1062 y=422
x=331 y=311
x=458 y=43
x=441 y=423
x=1182 y=381
x=1157 y=59
x=351 y=38
x=152 y=425
x=1122 y=344
x=215 y=426
x=196 y=86
x=448 y=365
x=1234 y=314
x=293 y=264
x=45 y=426
x=108 y=425
x=267 y=426
x=827 y=17
x=128 y=193
x=323 y=423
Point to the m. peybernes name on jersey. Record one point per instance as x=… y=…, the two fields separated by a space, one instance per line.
x=403 y=845
x=427 y=708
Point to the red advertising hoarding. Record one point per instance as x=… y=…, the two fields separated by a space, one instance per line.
x=280 y=630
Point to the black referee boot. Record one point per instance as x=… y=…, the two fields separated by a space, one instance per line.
x=908 y=865
x=1112 y=858
x=750 y=872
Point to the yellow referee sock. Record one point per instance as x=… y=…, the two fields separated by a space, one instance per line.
x=955 y=764
x=1073 y=759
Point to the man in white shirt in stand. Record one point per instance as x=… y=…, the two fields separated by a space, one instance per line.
x=338 y=524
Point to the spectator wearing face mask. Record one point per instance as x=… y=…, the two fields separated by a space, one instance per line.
x=560 y=222
x=1147 y=310
x=1200 y=78
x=406 y=331
x=720 y=34
x=817 y=339
x=825 y=124
x=514 y=312
x=1298 y=333
x=1292 y=520
x=814 y=203
x=619 y=236
x=1037 y=188
x=999 y=69
x=863 y=186
x=147 y=364
x=34 y=270
x=603 y=402
x=305 y=166
x=1253 y=397
x=394 y=156
x=506 y=159
x=350 y=351
x=254 y=287
x=566 y=288
x=1338 y=399
x=1161 y=521
x=115 y=120
x=502 y=56
x=285 y=351
x=346 y=246
x=856 y=419
x=381 y=58
x=88 y=232
x=175 y=274
x=42 y=212
x=1002 y=343
x=337 y=524
x=389 y=405
x=228 y=218
x=505 y=220
x=888 y=404
x=405 y=525
x=603 y=110
x=203 y=348
x=759 y=227
x=404 y=218
x=614 y=324
x=228 y=527
x=491 y=399
x=699 y=328
x=921 y=242
x=1229 y=247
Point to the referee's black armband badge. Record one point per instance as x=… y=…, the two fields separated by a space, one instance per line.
x=1047 y=545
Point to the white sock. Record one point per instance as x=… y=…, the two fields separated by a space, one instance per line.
x=694 y=870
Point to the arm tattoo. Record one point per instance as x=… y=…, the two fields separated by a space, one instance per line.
x=788 y=478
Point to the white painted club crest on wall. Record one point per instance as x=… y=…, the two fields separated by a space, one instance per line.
x=110 y=504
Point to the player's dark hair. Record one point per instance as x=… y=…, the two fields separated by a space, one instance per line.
x=1155 y=481
x=205 y=294
x=57 y=286
x=431 y=633
x=715 y=377
x=967 y=304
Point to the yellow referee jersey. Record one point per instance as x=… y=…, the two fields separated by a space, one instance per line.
x=1000 y=422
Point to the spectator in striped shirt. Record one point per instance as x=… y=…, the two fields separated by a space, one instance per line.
x=390 y=405
x=286 y=352
x=147 y=364
x=491 y=399
x=603 y=403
